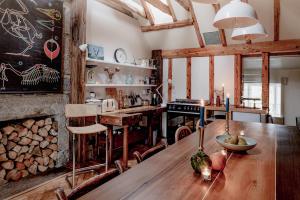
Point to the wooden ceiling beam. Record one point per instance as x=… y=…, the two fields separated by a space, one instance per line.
x=243 y=49
x=221 y=31
x=172 y=11
x=116 y=6
x=184 y=4
x=276 y=19
x=165 y=26
x=148 y=12
x=160 y=5
x=130 y=8
x=196 y=25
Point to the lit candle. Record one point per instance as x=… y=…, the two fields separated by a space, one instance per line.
x=227 y=103
x=242 y=133
x=202 y=111
x=223 y=93
x=224 y=153
x=206 y=173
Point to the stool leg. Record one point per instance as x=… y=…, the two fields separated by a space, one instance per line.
x=73 y=178
x=106 y=151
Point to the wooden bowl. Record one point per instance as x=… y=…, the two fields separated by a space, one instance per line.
x=251 y=143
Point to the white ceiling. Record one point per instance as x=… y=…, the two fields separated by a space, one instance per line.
x=168 y=39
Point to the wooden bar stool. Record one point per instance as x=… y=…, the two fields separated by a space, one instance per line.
x=79 y=111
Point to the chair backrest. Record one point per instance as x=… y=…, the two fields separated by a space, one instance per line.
x=150 y=152
x=87 y=186
x=80 y=110
x=298 y=122
x=182 y=132
x=269 y=119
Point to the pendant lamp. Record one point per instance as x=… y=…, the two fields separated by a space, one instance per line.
x=236 y=14
x=249 y=33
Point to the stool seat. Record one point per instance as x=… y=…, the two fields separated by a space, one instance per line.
x=95 y=128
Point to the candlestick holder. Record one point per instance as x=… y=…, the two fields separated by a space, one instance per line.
x=227 y=124
x=201 y=138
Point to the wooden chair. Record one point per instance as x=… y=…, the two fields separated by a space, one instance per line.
x=87 y=186
x=79 y=111
x=119 y=166
x=182 y=132
x=150 y=152
x=269 y=119
x=298 y=122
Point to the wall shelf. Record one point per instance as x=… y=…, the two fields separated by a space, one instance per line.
x=90 y=61
x=118 y=85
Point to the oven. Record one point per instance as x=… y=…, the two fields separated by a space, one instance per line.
x=182 y=112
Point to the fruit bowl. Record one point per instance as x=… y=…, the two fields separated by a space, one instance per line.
x=251 y=143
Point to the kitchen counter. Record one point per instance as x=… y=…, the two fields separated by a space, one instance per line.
x=126 y=118
x=237 y=109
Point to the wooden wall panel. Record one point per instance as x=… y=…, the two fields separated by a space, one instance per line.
x=189 y=78
x=170 y=71
x=276 y=19
x=211 y=79
x=265 y=79
x=237 y=79
x=78 y=61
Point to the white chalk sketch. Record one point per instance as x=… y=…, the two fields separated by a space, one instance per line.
x=14 y=23
x=49 y=24
x=32 y=76
x=51 y=13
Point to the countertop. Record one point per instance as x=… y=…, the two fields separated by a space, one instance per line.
x=128 y=111
x=237 y=109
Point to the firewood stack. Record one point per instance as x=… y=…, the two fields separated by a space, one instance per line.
x=27 y=148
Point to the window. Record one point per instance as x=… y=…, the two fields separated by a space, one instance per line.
x=253 y=91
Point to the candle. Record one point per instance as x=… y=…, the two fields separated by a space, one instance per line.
x=224 y=153
x=206 y=173
x=227 y=103
x=202 y=110
x=223 y=93
x=242 y=133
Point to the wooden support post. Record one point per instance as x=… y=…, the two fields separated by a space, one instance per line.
x=78 y=62
x=211 y=79
x=125 y=146
x=265 y=79
x=276 y=19
x=170 y=78
x=188 y=77
x=237 y=79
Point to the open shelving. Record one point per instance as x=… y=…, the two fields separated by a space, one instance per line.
x=117 y=85
x=90 y=61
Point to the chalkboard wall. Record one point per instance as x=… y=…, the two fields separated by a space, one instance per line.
x=31 y=46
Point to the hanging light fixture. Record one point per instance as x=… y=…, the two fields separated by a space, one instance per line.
x=207 y=1
x=236 y=14
x=249 y=33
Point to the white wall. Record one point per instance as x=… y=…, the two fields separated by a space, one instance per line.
x=224 y=74
x=290 y=93
x=200 y=78
x=111 y=29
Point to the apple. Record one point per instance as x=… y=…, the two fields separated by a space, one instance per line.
x=218 y=161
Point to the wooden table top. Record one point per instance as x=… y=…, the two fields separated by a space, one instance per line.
x=269 y=171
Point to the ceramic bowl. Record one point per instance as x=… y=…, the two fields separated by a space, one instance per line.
x=251 y=143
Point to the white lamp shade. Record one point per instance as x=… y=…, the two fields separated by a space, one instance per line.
x=207 y=1
x=236 y=14
x=249 y=33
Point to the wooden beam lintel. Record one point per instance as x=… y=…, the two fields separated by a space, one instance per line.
x=172 y=25
x=243 y=49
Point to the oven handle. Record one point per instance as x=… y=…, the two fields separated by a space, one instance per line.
x=180 y=112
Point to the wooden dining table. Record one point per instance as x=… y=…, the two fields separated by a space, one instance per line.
x=269 y=171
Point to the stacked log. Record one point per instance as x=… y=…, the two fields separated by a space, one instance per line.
x=27 y=148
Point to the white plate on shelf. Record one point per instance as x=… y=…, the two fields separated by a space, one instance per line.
x=251 y=143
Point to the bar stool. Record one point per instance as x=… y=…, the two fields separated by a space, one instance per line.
x=79 y=111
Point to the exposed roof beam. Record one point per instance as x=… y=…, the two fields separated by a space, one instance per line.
x=184 y=4
x=196 y=25
x=148 y=12
x=128 y=6
x=160 y=5
x=244 y=49
x=159 y=27
x=276 y=19
x=112 y=4
x=172 y=10
x=221 y=31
